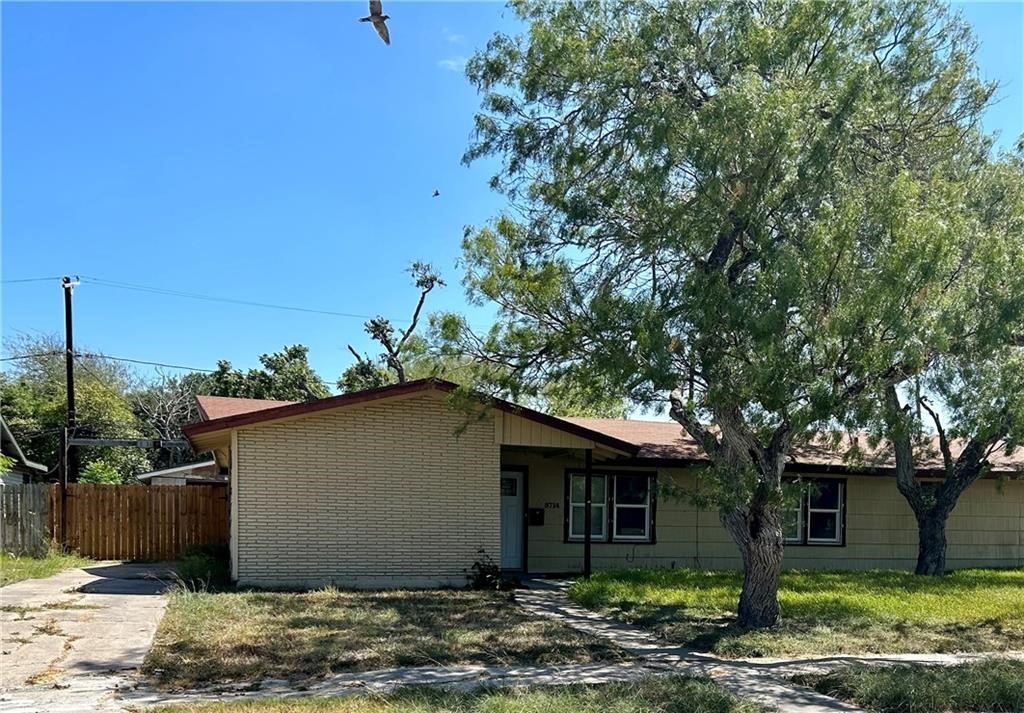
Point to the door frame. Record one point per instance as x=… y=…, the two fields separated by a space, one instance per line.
x=525 y=472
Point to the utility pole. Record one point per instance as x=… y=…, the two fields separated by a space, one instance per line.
x=70 y=470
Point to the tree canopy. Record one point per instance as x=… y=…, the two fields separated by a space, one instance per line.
x=766 y=211
x=284 y=376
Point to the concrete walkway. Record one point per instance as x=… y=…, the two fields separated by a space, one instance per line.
x=765 y=681
x=746 y=680
x=80 y=629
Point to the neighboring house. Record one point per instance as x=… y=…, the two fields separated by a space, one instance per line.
x=394 y=487
x=22 y=470
x=205 y=473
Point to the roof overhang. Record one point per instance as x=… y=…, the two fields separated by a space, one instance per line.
x=214 y=433
x=176 y=470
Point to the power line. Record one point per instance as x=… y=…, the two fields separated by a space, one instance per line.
x=31 y=279
x=213 y=298
x=143 y=361
x=30 y=356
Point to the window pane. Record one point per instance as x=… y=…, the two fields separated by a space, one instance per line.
x=631 y=522
x=596 y=526
x=631 y=489
x=509 y=486
x=823 y=526
x=791 y=524
x=578 y=489
x=824 y=494
x=577 y=521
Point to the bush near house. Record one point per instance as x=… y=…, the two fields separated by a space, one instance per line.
x=822 y=612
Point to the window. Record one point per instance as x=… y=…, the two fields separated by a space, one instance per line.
x=578 y=504
x=621 y=505
x=632 y=507
x=817 y=519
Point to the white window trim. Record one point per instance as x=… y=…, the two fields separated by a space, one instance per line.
x=597 y=507
x=837 y=511
x=646 y=507
x=804 y=520
x=798 y=540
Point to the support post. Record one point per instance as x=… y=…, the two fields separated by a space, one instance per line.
x=588 y=515
x=70 y=452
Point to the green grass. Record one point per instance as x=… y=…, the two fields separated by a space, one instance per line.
x=664 y=694
x=992 y=685
x=15 y=569
x=822 y=612
x=243 y=636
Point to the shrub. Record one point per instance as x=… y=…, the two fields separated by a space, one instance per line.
x=205 y=566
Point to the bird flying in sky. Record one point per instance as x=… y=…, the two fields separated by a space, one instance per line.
x=378 y=18
x=436 y=193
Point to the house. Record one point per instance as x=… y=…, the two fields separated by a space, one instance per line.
x=22 y=469
x=396 y=487
x=204 y=473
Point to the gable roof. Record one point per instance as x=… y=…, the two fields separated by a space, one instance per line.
x=648 y=441
x=232 y=415
x=186 y=471
x=213 y=407
x=11 y=449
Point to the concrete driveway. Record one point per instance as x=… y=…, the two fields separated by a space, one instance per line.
x=95 y=621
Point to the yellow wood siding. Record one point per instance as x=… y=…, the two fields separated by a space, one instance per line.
x=985 y=530
x=513 y=430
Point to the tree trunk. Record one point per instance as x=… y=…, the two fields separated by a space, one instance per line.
x=758 y=534
x=931 y=548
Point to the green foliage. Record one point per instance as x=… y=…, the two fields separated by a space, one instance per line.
x=99 y=471
x=16 y=569
x=205 y=566
x=284 y=376
x=823 y=612
x=32 y=391
x=991 y=685
x=788 y=205
x=6 y=463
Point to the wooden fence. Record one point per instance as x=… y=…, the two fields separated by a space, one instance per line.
x=141 y=522
x=23 y=519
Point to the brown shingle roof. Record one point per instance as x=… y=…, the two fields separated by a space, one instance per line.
x=213 y=407
x=662 y=440
x=667 y=440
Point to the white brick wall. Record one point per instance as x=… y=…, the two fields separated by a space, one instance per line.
x=386 y=493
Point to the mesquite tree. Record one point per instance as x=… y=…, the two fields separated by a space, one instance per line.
x=972 y=395
x=755 y=207
x=401 y=349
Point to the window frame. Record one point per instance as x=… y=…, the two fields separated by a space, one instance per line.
x=805 y=510
x=610 y=508
x=572 y=505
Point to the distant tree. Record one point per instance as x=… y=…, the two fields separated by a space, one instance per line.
x=98 y=471
x=285 y=376
x=165 y=405
x=404 y=352
x=34 y=402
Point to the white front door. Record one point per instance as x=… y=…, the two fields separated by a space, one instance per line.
x=511 y=519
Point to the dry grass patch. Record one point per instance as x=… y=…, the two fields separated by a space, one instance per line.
x=664 y=694
x=210 y=637
x=994 y=685
x=822 y=612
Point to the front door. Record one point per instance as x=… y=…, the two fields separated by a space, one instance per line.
x=511 y=519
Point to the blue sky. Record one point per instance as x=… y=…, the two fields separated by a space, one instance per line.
x=272 y=152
